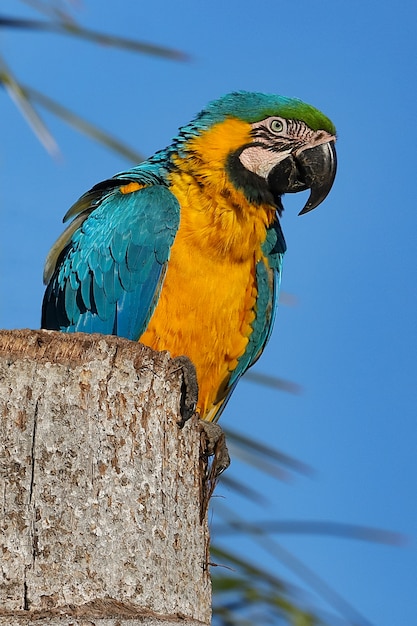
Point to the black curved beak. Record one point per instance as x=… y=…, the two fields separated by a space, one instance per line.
x=313 y=168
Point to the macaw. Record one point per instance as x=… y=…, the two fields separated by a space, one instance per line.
x=184 y=251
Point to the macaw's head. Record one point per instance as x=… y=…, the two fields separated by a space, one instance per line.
x=268 y=145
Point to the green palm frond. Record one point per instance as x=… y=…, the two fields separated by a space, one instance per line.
x=82 y=125
x=277 y=588
x=19 y=96
x=72 y=29
x=310 y=527
x=272 y=381
x=25 y=97
x=246 y=595
x=265 y=458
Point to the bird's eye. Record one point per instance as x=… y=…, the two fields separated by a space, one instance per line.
x=276 y=126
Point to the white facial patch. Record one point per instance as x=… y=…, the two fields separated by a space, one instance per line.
x=260 y=160
x=274 y=144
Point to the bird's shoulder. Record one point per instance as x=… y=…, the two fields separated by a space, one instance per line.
x=132 y=202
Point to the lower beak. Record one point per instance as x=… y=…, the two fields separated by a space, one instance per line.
x=313 y=168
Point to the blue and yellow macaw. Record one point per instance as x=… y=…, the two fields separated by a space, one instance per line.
x=184 y=251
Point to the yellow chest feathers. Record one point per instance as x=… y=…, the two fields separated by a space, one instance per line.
x=207 y=302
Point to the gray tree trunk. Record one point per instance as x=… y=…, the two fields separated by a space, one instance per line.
x=100 y=491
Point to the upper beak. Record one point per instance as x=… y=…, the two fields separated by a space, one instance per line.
x=312 y=168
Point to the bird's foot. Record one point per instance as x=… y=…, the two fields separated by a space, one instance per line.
x=216 y=446
x=189 y=387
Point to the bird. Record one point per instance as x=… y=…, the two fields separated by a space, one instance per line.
x=184 y=251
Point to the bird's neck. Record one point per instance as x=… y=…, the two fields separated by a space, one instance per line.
x=217 y=218
x=215 y=213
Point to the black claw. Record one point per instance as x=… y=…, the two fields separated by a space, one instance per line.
x=216 y=445
x=189 y=387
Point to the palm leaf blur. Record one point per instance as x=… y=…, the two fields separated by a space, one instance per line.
x=26 y=98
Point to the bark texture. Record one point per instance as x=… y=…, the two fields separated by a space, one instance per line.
x=100 y=491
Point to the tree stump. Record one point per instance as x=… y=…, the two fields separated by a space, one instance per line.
x=100 y=490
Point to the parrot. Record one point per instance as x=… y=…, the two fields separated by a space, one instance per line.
x=184 y=251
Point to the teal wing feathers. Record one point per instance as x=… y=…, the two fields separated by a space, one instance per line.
x=105 y=273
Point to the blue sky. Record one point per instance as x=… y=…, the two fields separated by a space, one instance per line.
x=350 y=339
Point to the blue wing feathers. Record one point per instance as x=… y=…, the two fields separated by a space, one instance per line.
x=129 y=315
x=136 y=256
x=111 y=285
x=70 y=301
x=110 y=271
x=73 y=279
x=118 y=245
